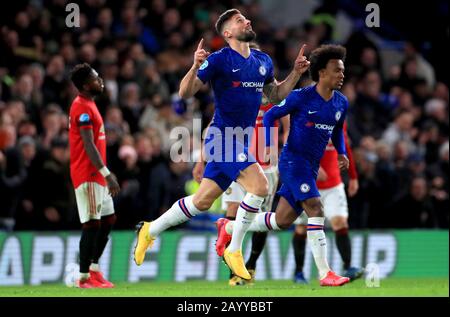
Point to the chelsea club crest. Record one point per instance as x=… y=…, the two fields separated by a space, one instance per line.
x=204 y=65
x=304 y=188
x=262 y=70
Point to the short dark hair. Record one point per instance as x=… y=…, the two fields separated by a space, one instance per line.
x=224 y=17
x=80 y=74
x=320 y=56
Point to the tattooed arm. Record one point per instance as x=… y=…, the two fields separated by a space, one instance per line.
x=277 y=91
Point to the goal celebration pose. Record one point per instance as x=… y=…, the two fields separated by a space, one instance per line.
x=238 y=76
x=317 y=113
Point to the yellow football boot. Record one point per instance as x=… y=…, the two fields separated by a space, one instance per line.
x=143 y=241
x=235 y=281
x=251 y=281
x=235 y=262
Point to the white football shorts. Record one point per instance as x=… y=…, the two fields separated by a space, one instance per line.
x=93 y=201
x=334 y=201
x=236 y=193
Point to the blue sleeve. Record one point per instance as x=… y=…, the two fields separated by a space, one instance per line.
x=208 y=69
x=338 y=134
x=270 y=76
x=287 y=106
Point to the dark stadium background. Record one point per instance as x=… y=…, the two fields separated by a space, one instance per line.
x=398 y=118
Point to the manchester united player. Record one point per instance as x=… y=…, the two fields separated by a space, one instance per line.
x=90 y=177
x=334 y=200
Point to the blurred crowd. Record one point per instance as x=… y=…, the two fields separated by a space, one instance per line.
x=398 y=119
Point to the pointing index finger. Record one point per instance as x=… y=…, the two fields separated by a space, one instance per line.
x=302 y=50
x=200 y=45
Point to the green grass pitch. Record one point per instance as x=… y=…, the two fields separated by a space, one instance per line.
x=388 y=287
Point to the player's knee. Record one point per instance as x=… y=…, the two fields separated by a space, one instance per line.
x=314 y=208
x=316 y=212
x=202 y=204
x=283 y=223
x=339 y=223
x=262 y=188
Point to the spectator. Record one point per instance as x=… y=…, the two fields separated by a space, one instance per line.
x=131 y=105
x=401 y=130
x=58 y=209
x=30 y=192
x=12 y=177
x=52 y=125
x=153 y=179
x=397 y=119
x=438 y=174
x=371 y=112
x=414 y=209
x=126 y=206
x=55 y=81
x=421 y=65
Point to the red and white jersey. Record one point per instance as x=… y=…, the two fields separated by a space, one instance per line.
x=258 y=144
x=329 y=163
x=85 y=115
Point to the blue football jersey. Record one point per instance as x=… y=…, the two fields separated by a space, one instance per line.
x=237 y=83
x=313 y=122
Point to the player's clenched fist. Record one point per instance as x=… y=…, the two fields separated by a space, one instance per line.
x=200 y=55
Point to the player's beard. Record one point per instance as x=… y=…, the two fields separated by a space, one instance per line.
x=247 y=36
x=96 y=92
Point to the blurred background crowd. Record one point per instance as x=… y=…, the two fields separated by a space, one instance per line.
x=396 y=83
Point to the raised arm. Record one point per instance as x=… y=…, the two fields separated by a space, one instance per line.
x=190 y=83
x=277 y=91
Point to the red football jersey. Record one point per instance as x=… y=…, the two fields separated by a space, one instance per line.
x=329 y=163
x=84 y=115
x=258 y=144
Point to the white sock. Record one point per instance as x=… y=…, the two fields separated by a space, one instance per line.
x=318 y=243
x=94 y=267
x=263 y=222
x=84 y=276
x=247 y=211
x=181 y=211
